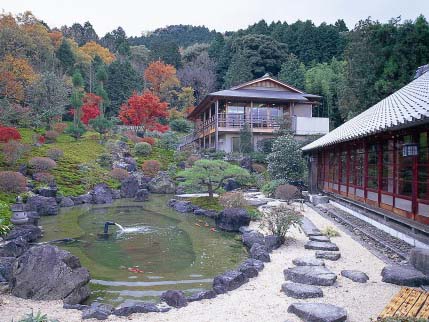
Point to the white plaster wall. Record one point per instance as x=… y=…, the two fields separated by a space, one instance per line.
x=302 y=110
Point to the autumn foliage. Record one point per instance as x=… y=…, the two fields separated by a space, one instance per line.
x=90 y=107
x=9 y=133
x=93 y=49
x=160 y=75
x=145 y=110
x=151 y=167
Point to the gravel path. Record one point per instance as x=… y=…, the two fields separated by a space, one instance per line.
x=260 y=299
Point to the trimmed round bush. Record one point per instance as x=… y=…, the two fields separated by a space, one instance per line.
x=149 y=140
x=287 y=192
x=55 y=154
x=9 y=133
x=232 y=200
x=51 y=136
x=151 y=167
x=60 y=127
x=44 y=177
x=142 y=149
x=11 y=181
x=119 y=174
x=42 y=164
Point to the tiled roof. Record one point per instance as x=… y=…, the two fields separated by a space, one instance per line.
x=407 y=105
x=261 y=94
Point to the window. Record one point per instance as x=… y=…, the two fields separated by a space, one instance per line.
x=235 y=114
x=387 y=174
x=373 y=166
x=423 y=167
x=404 y=180
x=343 y=159
x=359 y=166
x=352 y=166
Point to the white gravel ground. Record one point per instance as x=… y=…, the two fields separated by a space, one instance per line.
x=260 y=299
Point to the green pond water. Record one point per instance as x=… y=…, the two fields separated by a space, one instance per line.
x=171 y=250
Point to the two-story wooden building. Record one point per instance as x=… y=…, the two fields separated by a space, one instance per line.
x=262 y=104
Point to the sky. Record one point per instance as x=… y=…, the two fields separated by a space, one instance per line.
x=137 y=17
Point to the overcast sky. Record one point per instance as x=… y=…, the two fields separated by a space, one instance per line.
x=139 y=16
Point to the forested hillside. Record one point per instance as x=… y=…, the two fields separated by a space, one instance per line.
x=351 y=69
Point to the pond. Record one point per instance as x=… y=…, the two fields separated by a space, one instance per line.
x=159 y=250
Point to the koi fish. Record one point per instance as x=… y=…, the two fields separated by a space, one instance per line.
x=198 y=225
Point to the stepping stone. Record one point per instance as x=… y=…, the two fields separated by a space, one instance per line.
x=332 y=256
x=311 y=275
x=309 y=228
x=403 y=275
x=355 y=276
x=301 y=291
x=318 y=312
x=308 y=261
x=319 y=238
x=321 y=246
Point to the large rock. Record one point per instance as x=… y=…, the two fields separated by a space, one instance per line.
x=311 y=275
x=183 y=206
x=309 y=228
x=231 y=184
x=14 y=248
x=48 y=192
x=28 y=232
x=174 y=298
x=332 y=256
x=203 y=295
x=231 y=219
x=44 y=206
x=403 y=275
x=228 y=281
x=102 y=194
x=419 y=258
x=318 y=199
x=318 y=312
x=206 y=212
x=355 y=276
x=301 y=291
x=99 y=311
x=321 y=246
x=252 y=237
x=273 y=242
x=131 y=164
x=260 y=252
x=251 y=267
x=141 y=307
x=129 y=187
x=82 y=199
x=6 y=268
x=66 y=202
x=142 y=195
x=308 y=261
x=162 y=183
x=49 y=273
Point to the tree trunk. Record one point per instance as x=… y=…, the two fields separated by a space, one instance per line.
x=210 y=190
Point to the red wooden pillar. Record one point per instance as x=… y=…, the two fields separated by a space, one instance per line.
x=380 y=170
x=395 y=170
x=348 y=170
x=365 y=170
x=415 y=178
x=340 y=168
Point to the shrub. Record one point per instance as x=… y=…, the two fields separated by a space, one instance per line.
x=41 y=139
x=180 y=156
x=39 y=317
x=105 y=160
x=55 y=154
x=42 y=164
x=232 y=200
x=286 y=161
x=9 y=133
x=76 y=131
x=151 y=167
x=168 y=141
x=142 y=148
x=51 y=136
x=119 y=174
x=149 y=140
x=44 y=177
x=258 y=157
x=330 y=232
x=191 y=160
x=269 y=188
x=59 y=127
x=258 y=168
x=265 y=146
x=280 y=219
x=5 y=214
x=13 y=151
x=132 y=136
x=286 y=192
x=13 y=182
x=181 y=125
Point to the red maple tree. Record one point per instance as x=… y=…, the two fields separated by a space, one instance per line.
x=90 y=107
x=145 y=110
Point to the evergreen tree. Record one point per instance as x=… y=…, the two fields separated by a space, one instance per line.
x=65 y=56
x=239 y=71
x=292 y=72
x=246 y=145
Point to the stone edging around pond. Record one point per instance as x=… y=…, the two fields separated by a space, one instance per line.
x=259 y=247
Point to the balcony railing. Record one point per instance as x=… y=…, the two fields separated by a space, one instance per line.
x=238 y=120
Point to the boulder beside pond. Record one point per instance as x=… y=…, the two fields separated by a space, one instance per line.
x=162 y=183
x=49 y=273
x=129 y=187
x=174 y=298
x=231 y=219
x=102 y=194
x=44 y=206
x=228 y=281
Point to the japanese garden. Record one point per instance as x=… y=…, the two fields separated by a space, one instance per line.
x=278 y=172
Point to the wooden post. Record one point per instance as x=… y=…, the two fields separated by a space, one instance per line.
x=365 y=170
x=348 y=170
x=415 y=178
x=217 y=125
x=380 y=171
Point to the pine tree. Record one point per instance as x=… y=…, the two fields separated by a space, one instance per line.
x=292 y=72
x=65 y=56
x=239 y=70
